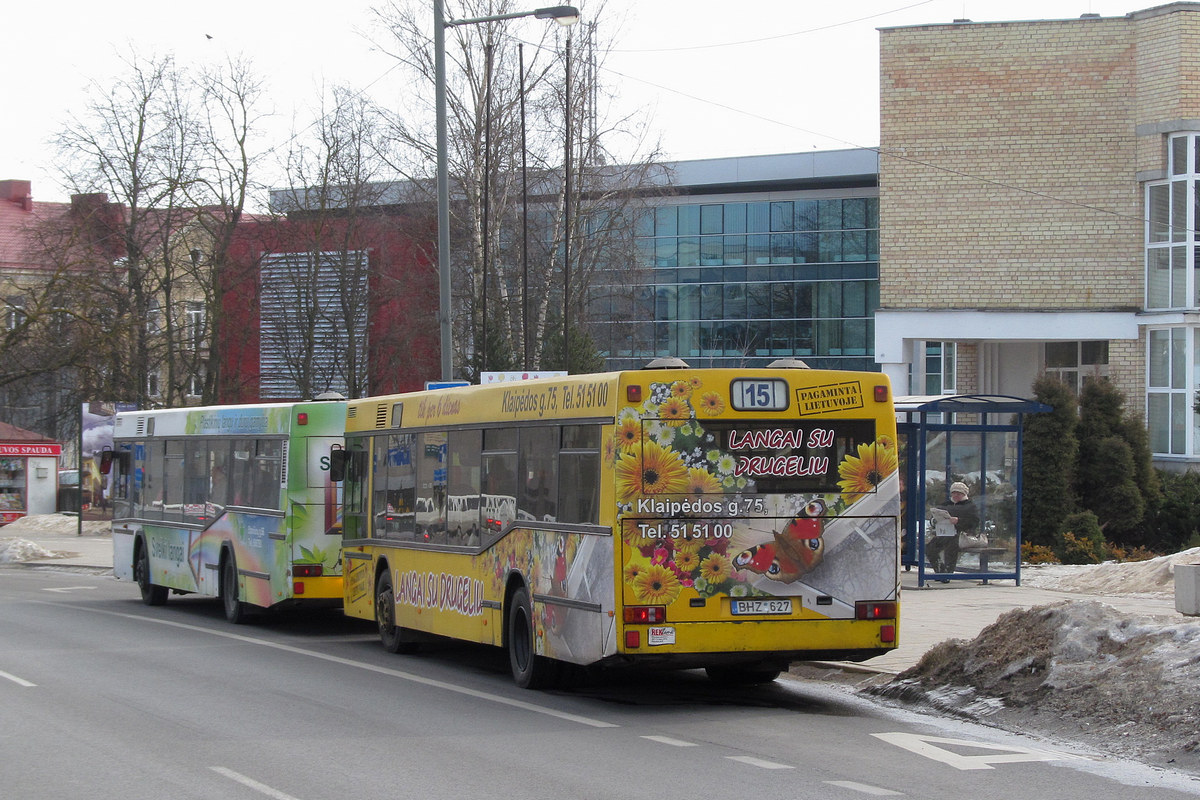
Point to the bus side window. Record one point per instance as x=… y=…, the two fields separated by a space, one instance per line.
x=539 y=478
x=462 y=487
x=195 y=480
x=579 y=474
x=239 y=473
x=498 y=502
x=218 y=477
x=430 y=465
x=265 y=474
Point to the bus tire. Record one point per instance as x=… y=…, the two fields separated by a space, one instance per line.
x=741 y=676
x=529 y=670
x=235 y=609
x=394 y=638
x=152 y=595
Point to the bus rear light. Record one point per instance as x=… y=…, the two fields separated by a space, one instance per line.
x=885 y=609
x=308 y=570
x=881 y=393
x=633 y=394
x=633 y=640
x=297 y=587
x=645 y=615
x=302 y=417
x=887 y=634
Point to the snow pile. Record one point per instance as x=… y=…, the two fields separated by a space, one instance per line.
x=1135 y=577
x=14 y=550
x=1080 y=670
x=61 y=524
x=50 y=532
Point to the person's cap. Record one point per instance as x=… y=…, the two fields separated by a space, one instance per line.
x=959 y=486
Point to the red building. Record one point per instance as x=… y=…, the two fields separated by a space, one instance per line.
x=346 y=304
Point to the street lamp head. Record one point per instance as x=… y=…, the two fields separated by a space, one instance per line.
x=563 y=15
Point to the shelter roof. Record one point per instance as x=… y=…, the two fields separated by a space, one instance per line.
x=970 y=404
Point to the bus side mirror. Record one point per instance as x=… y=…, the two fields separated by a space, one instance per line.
x=106 y=459
x=337 y=464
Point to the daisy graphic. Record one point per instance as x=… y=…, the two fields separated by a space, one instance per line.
x=862 y=473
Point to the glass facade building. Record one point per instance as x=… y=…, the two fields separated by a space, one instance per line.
x=747 y=277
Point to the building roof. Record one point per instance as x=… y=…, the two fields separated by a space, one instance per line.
x=11 y=433
x=19 y=211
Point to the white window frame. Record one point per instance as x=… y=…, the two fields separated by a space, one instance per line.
x=1171 y=244
x=1171 y=374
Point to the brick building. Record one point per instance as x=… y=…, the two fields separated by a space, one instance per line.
x=1037 y=197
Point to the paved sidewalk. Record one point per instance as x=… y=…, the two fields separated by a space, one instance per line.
x=959 y=609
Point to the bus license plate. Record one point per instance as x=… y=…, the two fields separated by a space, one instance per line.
x=761 y=606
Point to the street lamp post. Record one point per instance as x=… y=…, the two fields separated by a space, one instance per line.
x=563 y=15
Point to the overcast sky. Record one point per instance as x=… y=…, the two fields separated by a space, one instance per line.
x=720 y=78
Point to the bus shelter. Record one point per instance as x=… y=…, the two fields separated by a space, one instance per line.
x=974 y=440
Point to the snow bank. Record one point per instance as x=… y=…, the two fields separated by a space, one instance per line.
x=1133 y=577
x=1121 y=682
x=16 y=550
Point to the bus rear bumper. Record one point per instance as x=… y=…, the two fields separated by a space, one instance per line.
x=323 y=588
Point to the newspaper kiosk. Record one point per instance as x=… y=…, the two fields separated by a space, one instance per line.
x=28 y=473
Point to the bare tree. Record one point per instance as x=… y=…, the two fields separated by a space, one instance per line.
x=230 y=101
x=135 y=146
x=509 y=114
x=172 y=151
x=336 y=310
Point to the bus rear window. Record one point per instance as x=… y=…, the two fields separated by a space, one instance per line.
x=797 y=457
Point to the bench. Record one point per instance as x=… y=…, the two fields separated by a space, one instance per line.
x=985 y=553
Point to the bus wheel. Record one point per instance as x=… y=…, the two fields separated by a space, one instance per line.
x=530 y=671
x=394 y=639
x=741 y=676
x=235 y=609
x=151 y=595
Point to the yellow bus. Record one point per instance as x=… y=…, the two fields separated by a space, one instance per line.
x=735 y=520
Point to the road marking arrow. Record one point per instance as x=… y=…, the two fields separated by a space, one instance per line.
x=994 y=753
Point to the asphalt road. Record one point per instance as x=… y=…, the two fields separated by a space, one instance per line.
x=102 y=697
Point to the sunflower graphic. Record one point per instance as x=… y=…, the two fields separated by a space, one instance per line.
x=711 y=404
x=629 y=432
x=717 y=568
x=675 y=411
x=656 y=471
x=611 y=450
x=657 y=584
x=632 y=570
x=686 y=560
x=862 y=473
x=681 y=389
x=701 y=481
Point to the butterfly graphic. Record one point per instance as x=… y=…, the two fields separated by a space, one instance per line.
x=796 y=551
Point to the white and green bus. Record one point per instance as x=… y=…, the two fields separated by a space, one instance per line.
x=233 y=502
